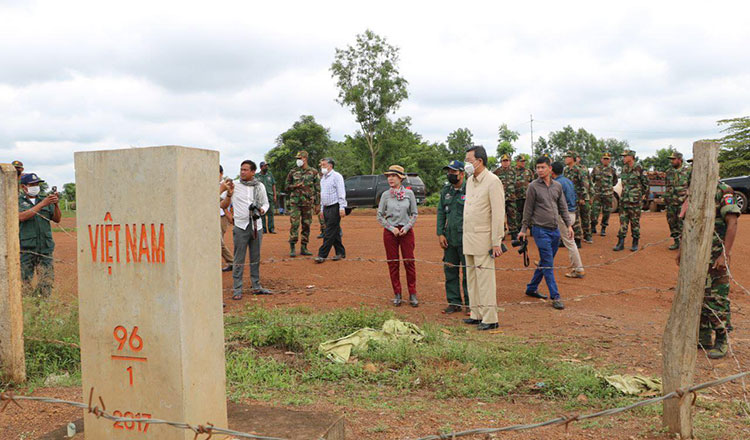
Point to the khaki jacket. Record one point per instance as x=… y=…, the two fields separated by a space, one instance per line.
x=484 y=214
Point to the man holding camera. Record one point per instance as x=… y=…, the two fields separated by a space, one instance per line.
x=545 y=201
x=250 y=202
x=484 y=228
x=35 y=232
x=450 y=218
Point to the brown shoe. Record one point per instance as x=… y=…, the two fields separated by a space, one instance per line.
x=575 y=274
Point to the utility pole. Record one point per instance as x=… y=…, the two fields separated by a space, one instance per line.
x=531 y=124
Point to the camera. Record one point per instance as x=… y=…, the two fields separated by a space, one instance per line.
x=254 y=211
x=520 y=244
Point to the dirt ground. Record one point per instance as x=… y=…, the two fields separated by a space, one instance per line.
x=618 y=311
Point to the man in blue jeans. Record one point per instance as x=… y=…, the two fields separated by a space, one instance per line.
x=545 y=201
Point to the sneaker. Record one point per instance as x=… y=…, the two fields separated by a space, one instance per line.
x=451 y=309
x=558 y=304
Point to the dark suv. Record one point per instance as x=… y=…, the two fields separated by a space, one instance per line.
x=741 y=187
x=365 y=191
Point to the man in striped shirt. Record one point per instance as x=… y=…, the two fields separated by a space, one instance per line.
x=332 y=205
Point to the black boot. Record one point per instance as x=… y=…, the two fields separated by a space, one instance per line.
x=675 y=245
x=397 y=300
x=303 y=250
x=719 y=350
x=588 y=239
x=593 y=229
x=620 y=244
x=634 y=247
x=292 y=253
x=604 y=231
x=578 y=243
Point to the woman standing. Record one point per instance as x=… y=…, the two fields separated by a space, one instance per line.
x=397 y=212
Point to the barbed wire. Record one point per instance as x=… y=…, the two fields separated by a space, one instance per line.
x=677 y=394
x=98 y=412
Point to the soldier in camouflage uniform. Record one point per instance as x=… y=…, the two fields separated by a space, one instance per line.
x=524 y=176
x=634 y=190
x=303 y=186
x=508 y=177
x=604 y=178
x=586 y=208
x=716 y=312
x=676 y=191
x=580 y=181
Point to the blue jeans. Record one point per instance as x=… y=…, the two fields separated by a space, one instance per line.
x=547 y=241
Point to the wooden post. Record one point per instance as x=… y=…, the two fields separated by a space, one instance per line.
x=679 y=346
x=12 y=361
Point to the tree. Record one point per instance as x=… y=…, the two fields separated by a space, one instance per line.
x=734 y=156
x=457 y=141
x=370 y=84
x=69 y=192
x=660 y=161
x=305 y=134
x=505 y=139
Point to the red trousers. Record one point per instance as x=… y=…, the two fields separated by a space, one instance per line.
x=406 y=243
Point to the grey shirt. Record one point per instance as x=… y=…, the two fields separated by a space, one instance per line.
x=393 y=212
x=543 y=205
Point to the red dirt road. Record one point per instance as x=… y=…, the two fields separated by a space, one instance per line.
x=622 y=329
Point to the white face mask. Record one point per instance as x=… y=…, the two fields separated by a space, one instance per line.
x=299 y=162
x=324 y=171
x=33 y=191
x=469 y=168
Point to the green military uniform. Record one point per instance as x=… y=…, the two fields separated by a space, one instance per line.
x=716 y=313
x=634 y=189
x=524 y=176
x=450 y=217
x=508 y=178
x=677 y=183
x=586 y=207
x=579 y=176
x=604 y=178
x=37 y=244
x=303 y=186
x=268 y=181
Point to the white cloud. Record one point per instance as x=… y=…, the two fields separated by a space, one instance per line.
x=233 y=75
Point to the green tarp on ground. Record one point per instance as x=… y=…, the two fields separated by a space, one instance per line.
x=635 y=385
x=339 y=350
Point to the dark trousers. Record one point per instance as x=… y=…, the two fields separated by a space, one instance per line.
x=453 y=256
x=267 y=218
x=332 y=232
x=406 y=244
x=42 y=263
x=547 y=241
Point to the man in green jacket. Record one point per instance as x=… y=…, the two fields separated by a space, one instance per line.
x=266 y=178
x=634 y=190
x=35 y=213
x=450 y=218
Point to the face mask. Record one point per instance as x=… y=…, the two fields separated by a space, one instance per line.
x=299 y=162
x=324 y=171
x=453 y=178
x=469 y=169
x=33 y=191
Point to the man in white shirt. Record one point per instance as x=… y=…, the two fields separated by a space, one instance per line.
x=250 y=202
x=333 y=207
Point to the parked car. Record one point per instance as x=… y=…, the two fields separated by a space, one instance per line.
x=741 y=187
x=365 y=191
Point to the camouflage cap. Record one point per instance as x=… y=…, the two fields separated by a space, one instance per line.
x=628 y=153
x=521 y=158
x=505 y=157
x=571 y=153
x=606 y=156
x=17 y=164
x=301 y=154
x=676 y=155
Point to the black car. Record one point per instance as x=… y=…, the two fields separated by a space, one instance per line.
x=741 y=187
x=365 y=191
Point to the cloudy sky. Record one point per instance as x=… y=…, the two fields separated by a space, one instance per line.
x=231 y=76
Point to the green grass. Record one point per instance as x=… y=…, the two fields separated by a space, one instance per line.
x=68 y=213
x=71 y=230
x=443 y=366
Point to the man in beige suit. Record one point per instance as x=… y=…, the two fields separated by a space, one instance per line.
x=484 y=220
